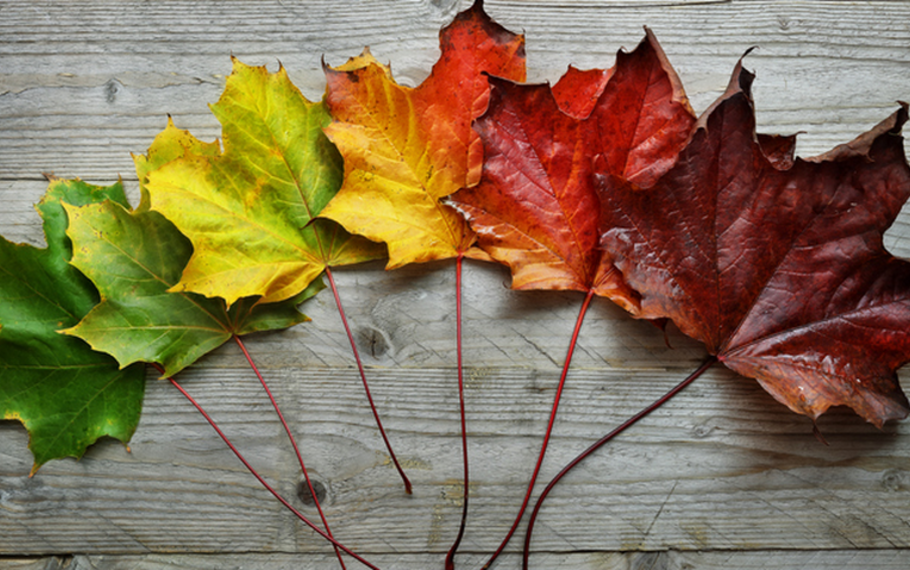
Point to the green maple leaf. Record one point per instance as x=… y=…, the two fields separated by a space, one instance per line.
x=250 y=212
x=134 y=258
x=64 y=393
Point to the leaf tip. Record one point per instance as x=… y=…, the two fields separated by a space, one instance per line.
x=901 y=117
x=68 y=331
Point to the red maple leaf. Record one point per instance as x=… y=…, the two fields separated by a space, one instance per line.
x=536 y=208
x=776 y=264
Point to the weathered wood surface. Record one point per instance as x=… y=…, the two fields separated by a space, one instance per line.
x=723 y=477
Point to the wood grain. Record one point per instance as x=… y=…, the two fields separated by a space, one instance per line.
x=722 y=467
x=758 y=560
x=723 y=477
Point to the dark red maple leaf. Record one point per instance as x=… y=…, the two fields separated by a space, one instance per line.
x=776 y=264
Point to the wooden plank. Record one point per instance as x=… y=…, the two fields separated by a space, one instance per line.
x=761 y=560
x=723 y=467
x=815 y=63
x=723 y=477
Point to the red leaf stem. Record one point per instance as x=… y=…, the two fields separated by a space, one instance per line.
x=552 y=420
x=621 y=428
x=259 y=477
x=450 y=557
x=287 y=430
x=366 y=386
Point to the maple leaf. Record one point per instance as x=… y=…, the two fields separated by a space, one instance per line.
x=776 y=264
x=64 y=393
x=250 y=211
x=536 y=208
x=134 y=258
x=406 y=148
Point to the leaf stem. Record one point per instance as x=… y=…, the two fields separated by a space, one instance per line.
x=546 y=439
x=287 y=430
x=618 y=430
x=366 y=387
x=450 y=557
x=259 y=478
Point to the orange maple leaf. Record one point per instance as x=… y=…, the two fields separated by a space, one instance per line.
x=406 y=148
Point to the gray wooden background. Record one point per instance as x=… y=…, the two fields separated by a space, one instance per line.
x=723 y=477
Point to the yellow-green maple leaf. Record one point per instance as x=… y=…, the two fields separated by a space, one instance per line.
x=250 y=210
x=170 y=144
